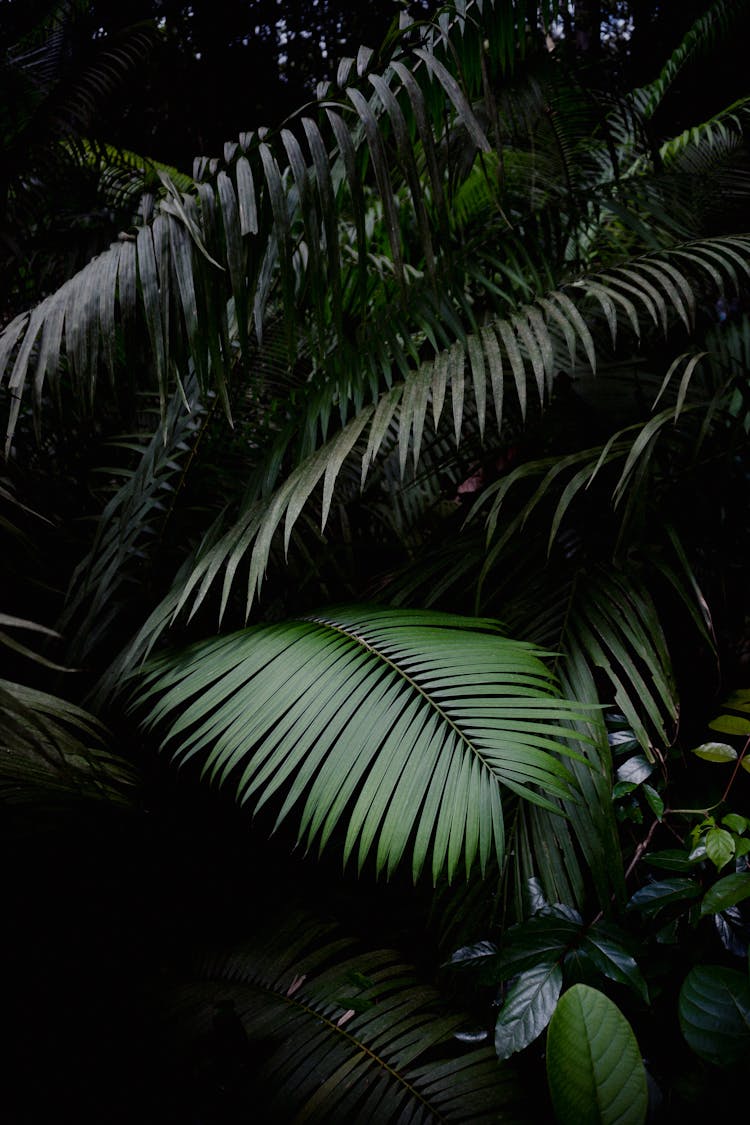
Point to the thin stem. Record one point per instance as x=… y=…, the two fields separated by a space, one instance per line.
x=736 y=767
x=641 y=848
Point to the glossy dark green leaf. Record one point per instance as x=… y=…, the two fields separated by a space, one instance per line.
x=541 y=938
x=635 y=770
x=527 y=1008
x=655 y=801
x=481 y=958
x=622 y=788
x=603 y=944
x=622 y=740
x=671 y=859
x=654 y=896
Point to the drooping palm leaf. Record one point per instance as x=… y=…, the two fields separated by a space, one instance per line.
x=328 y=1033
x=508 y=362
x=265 y=224
x=409 y=728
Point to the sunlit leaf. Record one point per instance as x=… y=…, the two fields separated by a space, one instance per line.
x=715 y=752
x=719 y=847
x=731 y=724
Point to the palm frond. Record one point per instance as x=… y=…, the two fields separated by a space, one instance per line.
x=715 y=133
x=330 y=1033
x=408 y=727
x=265 y=224
x=510 y=362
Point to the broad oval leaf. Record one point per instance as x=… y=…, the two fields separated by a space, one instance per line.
x=405 y=726
x=735 y=822
x=731 y=724
x=715 y=752
x=528 y=1008
x=719 y=847
x=594 y=1067
x=714 y=1013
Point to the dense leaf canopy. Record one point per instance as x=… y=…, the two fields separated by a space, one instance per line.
x=458 y=347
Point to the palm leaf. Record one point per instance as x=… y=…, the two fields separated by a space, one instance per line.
x=530 y=347
x=268 y=197
x=409 y=728
x=131 y=524
x=334 y=1034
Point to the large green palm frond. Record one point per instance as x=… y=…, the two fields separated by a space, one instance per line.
x=302 y=227
x=325 y=1032
x=602 y=593
x=409 y=729
x=267 y=222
